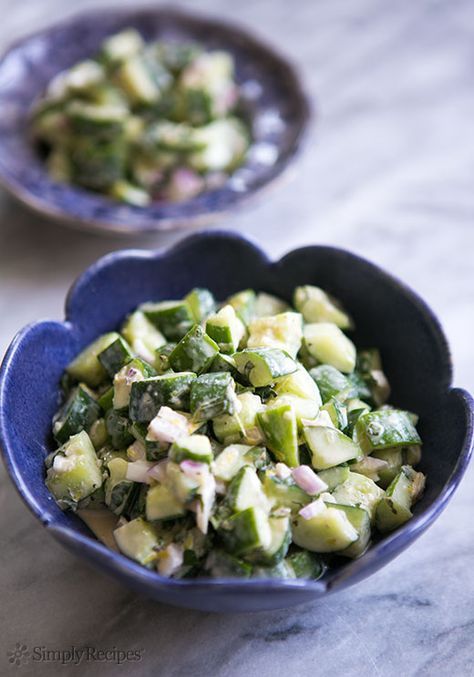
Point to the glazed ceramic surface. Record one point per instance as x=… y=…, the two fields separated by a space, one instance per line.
x=272 y=94
x=387 y=315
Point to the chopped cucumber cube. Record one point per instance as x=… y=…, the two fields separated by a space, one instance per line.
x=301 y=384
x=138 y=540
x=134 y=371
x=122 y=45
x=395 y=507
x=86 y=366
x=331 y=382
x=242 y=425
x=317 y=306
x=284 y=492
x=329 y=530
x=231 y=460
x=118 y=428
x=246 y=490
x=384 y=429
x=193 y=448
x=334 y=476
x=75 y=472
x=244 y=304
x=277 y=549
x=262 y=366
x=247 y=531
x=201 y=303
x=360 y=520
x=213 y=395
x=142 y=336
x=226 y=329
x=115 y=356
x=329 y=345
x=162 y=504
x=284 y=331
x=359 y=491
x=329 y=447
x=279 y=427
x=224 y=144
x=173 y=318
x=195 y=352
x=118 y=489
x=267 y=304
x=305 y=565
x=171 y=390
x=80 y=411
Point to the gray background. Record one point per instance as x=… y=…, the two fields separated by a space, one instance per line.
x=388 y=174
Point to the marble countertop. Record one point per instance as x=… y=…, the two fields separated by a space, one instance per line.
x=388 y=174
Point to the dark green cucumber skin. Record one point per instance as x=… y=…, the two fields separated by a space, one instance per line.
x=227 y=565
x=120 y=496
x=196 y=106
x=240 y=534
x=245 y=309
x=173 y=322
x=280 y=434
x=147 y=396
x=330 y=381
x=97 y=164
x=222 y=363
x=202 y=303
x=306 y=565
x=210 y=396
x=136 y=505
x=360 y=388
x=277 y=361
x=118 y=427
x=397 y=432
x=259 y=557
x=195 y=352
x=106 y=400
x=145 y=368
x=352 y=418
x=162 y=357
x=115 y=356
x=79 y=413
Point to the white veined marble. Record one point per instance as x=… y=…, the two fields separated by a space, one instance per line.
x=389 y=174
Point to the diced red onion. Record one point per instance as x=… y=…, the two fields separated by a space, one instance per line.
x=194 y=469
x=167 y=426
x=130 y=375
x=158 y=471
x=311 y=510
x=307 y=480
x=184 y=184
x=138 y=471
x=204 y=507
x=374 y=464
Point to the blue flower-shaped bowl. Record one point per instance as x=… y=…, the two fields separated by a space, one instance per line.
x=386 y=313
x=275 y=101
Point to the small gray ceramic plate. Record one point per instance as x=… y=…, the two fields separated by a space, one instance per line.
x=272 y=93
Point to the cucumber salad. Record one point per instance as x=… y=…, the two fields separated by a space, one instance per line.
x=248 y=438
x=143 y=121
